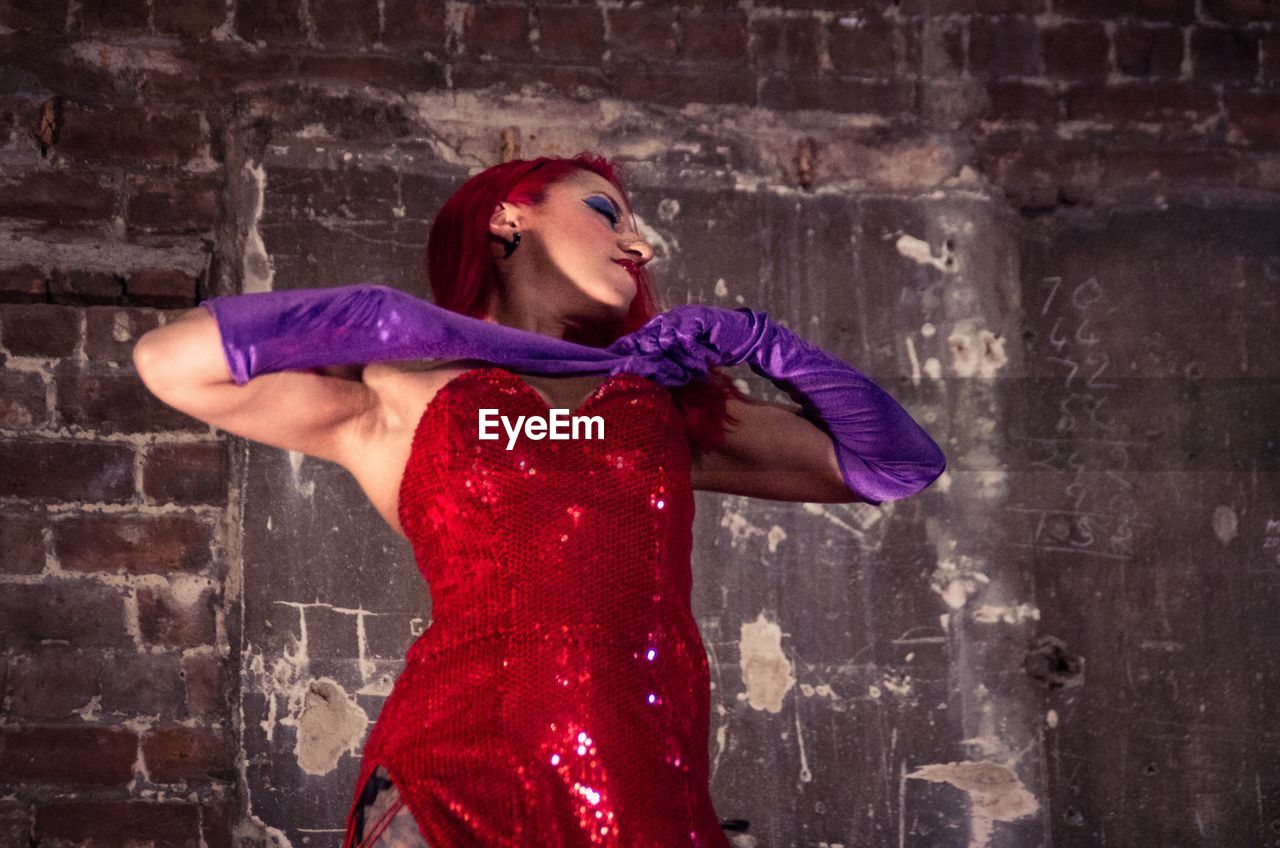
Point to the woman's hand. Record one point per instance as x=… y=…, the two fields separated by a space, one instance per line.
x=695 y=338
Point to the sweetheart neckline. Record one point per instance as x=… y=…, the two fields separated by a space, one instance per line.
x=596 y=394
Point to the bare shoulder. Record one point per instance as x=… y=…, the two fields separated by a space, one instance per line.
x=401 y=391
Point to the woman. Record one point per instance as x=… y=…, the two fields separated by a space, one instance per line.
x=561 y=695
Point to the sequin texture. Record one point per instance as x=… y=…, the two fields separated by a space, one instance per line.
x=561 y=695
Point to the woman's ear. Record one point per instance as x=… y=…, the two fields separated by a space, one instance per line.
x=504 y=221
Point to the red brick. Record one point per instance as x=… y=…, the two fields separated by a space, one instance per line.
x=85 y=287
x=57 y=198
x=786 y=44
x=190 y=18
x=208 y=686
x=21 y=541
x=1004 y=47
x=23 y=284
x=974 y=7
x=713 y=38
x=1140 y=102
x=346 y=22
x=499 y=31
x=136 y=544
x=1223 y=54
x=22 y=401
x=1148 y=51
x=579 y=83
x=130 y=134
x=1241 y=11
x=1271 y=56
x=37 y=15
x=570 y=33
x=77 y=755
x=164 y=619
x=380 y=71
x=218 y=816
x=1163 y=11
x=1076 y=51
x=935 y=46
x=677 y=86
x=114 y=16
x=1038 y=178
x=111 y=332
x=15 y=822
x=1019 y=101
x=71 y=611
x=862 y=44
x=165 y=288
x=186 y=473
x=65 y=470
x=1253 y=117
x=39 y=329
x=647 y=34
x=277 y=21
x=412 y=23
x=176 y=753
x=172 y=204
x=862 y=96
x=142 y=683
x=105 y=824
x=117 y=403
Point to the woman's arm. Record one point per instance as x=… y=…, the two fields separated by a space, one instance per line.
x=318 y=412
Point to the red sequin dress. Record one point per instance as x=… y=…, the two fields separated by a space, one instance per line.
x=561 y=695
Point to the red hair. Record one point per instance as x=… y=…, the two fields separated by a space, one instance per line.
x=463 y=273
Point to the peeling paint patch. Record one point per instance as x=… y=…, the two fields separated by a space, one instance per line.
x=329 y=724
x=918 y=250
x=991 y=614
x=114 y=57
x=957 y=579
x=977 y=354
x=995 y=794
x=1225 y=523
x=257 y=269
x=766 y=671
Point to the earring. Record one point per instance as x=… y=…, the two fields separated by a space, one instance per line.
x=510 y=247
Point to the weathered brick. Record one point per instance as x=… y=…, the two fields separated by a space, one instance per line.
x=677 y=86
x=1271 y=56
x=114 y=15
x=1147 y=102
x=1164 y=11
x=500 y=31
x=57 y=198
x=1241 y=11
x=1253 y=117
x=218 y=816
x=39 y=329
x=142 y=683
x=356 y=194
x=707 y=37
x=38 y=15
x=570 y=33
x=935 y=46
x=75 y=755
x=165 y=288
x=579 y=82
x=23 y=284
x=129 y=134
x=862 y=44
x=117 y=403
x=207 y=685
x=54 y=682
x=190 y=18
x=66 y=471
x=85 y=287
x=1037 y=177
x=175 y=753
x=647 y=33
x=21 y=541
x=396 y=73
x=1011 y=100
x=136 y=544
x=1148 y=51
x=414 y=23
x=345 y=22
x=110 y=332
x=787 y=45
x=876 y=97
x=974 y=7
x=1223 y=54
x=171 y=204
x=1004 y=47
x=166 y=619
x=277 y=21
x=15 y=822
x=75 y=612
x=22 y=401
x=98 y=824
x=186 y=473
x=1076 y=51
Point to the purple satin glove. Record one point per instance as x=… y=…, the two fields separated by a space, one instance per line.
x=264 y=332
x=883 y=453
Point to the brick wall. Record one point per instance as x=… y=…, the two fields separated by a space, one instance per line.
x=133 y=138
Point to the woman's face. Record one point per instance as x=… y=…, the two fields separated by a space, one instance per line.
x=574 y=250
